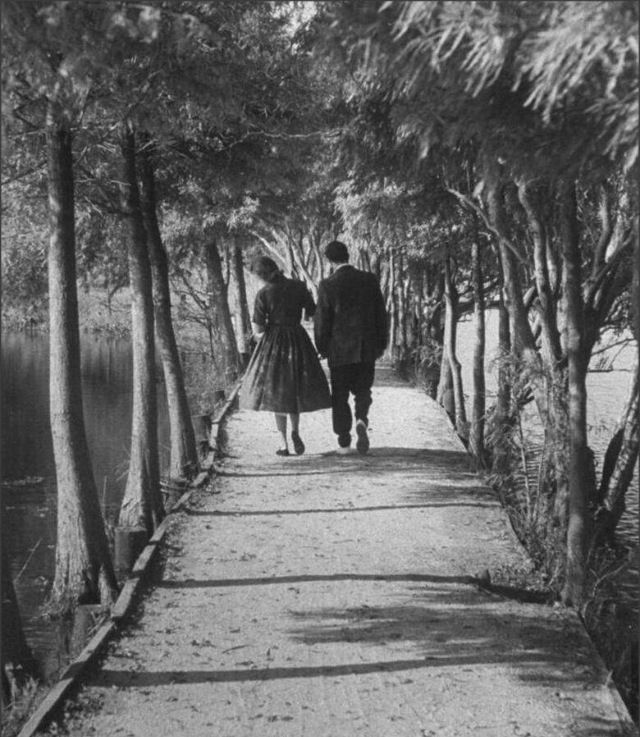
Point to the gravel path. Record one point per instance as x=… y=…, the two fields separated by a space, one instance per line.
x=330 y=596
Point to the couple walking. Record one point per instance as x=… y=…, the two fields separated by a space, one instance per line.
x=284 y=375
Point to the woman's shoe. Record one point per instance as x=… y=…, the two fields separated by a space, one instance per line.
x=298 y=445
x=282 y=452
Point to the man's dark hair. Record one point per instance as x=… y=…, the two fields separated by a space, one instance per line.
x=337 y=252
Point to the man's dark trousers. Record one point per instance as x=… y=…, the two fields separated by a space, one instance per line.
x=357 y=379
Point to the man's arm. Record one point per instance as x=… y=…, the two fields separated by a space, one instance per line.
x=322 y=322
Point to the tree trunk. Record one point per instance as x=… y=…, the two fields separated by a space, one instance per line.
x=546 y=306
x=523 y=341
x=578 y=464
x=500 y=460
x=445 y=394
x=450 y=334
x=142 y=503
x=401 y=301
x=184 y=456
x=296 y=248
x=226 y=350
x=476 y=434
x=243 y=305
x=84 y=569
x=391 y=305
x=635 y=286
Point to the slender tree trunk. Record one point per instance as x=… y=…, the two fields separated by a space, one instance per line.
x=401 y=297
x=302 y=263
x=523 y=342
x=635 y=284
x=224 y=339
x=546 y=305
x=84 y=569
x=451 y=330
x=184 y=456
x=243 y=305
x=142 y=503
x=476 y=434
x=445 y=394
x=500 y=461
x=319 y=260
x=578 y=465
x=391 y=305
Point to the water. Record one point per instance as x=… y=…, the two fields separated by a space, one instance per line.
x=28 y=471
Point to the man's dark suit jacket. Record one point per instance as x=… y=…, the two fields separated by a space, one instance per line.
x=350 y=323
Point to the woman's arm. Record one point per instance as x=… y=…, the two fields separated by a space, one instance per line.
x=260 y=315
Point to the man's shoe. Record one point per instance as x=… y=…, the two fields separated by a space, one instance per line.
x=362 y=443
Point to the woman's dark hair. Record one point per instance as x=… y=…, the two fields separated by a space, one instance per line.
x=337 y=252
x=266 y=268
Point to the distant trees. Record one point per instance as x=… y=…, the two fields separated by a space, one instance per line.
x=471 y=154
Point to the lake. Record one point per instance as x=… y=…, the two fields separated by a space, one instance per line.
x=28 y=471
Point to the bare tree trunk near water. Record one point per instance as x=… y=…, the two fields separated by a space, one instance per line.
x=84 y=569
x=184 y=457
x=142 y=503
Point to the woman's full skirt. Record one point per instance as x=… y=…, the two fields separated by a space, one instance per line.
x=284 y=374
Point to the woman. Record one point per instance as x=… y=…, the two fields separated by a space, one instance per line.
x=284 y=375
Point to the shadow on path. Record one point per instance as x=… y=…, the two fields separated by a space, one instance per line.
x=334 y=510
x=377 y=457
x=443 y=627
x=308 y=578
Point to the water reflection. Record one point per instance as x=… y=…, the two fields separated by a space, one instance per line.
x=28 y=471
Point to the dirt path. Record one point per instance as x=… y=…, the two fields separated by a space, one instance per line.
x=328 y=596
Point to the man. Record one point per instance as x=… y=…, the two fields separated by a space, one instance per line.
x=350 y=329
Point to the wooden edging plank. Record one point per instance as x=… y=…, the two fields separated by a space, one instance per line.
x=124 y=602
x=67 y=680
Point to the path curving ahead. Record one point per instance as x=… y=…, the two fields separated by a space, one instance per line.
x=328 y=596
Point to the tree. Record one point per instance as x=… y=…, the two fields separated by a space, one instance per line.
x=184 y=459
x=142 y=502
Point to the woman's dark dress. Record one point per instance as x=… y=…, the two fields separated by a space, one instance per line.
x=284 y=373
